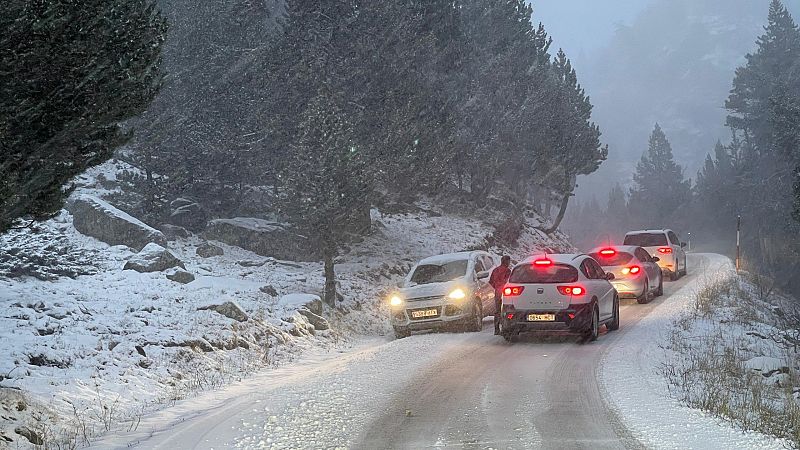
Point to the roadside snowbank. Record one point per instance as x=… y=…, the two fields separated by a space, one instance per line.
x=631 y=374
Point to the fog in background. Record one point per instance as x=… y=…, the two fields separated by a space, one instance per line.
x=648 y=61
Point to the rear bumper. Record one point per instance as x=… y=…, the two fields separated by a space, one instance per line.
x=574 y=318
x=629 y=288
x=669 y=265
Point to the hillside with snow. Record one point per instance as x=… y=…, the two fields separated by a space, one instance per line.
x=87 y=345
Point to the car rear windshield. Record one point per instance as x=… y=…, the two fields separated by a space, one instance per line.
x=439 y=273
x=617 y=259
x=646 y=239
x=557 y=273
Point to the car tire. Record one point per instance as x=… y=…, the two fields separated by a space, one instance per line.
x=476 y=321
x=614 y=324
x=401 y=333
x=685 y=268
x=660 y=290
x=645 y=297
x=593 y=332
x=673 y=276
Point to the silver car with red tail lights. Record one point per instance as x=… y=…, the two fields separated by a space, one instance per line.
x=665 y=245
x=636 y=273
x=559 y=293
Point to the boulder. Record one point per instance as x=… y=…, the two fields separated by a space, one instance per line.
x=319 y=322
x=153 y=258
x=262 y=237
x=208 y=250
x=99 y=219
x=180 y=276
x=269 y=290
x=188 y=214
x=174 y=232
x=298 y=302
x=32 y=436
x=230 y=310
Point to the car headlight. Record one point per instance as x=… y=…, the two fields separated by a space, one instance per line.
x=395 y=300
x=457 y=294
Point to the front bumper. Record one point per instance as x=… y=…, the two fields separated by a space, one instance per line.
x=448 y=313
x=575 y=318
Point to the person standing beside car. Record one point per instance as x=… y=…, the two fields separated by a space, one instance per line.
x=498 y=280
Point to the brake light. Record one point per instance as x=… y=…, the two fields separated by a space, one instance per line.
x=571 y=290
x=665 y=250
x=510 y=316
x=608 y=252
x=513 y=291
x=543 y=262
x=631 y=270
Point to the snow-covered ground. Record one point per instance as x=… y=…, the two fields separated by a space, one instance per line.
x=107 y=346
x=633 y=376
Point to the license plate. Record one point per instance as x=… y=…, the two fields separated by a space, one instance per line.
x=424 y=313
x=541 y=317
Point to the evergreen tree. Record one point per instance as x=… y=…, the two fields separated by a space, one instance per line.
x=70 y=74
x=660 y=188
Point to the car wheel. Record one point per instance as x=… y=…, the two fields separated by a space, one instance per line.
x=673 y=276
x=401 y=333
x=614 y=324
x=685 y=268
x=645 y=297
x=660 y=290
x=594 y=328
x=476 y=321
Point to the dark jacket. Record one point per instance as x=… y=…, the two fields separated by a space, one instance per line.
x=499 y=278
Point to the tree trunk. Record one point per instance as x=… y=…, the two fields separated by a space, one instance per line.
x=330 y=275
x=561 y=212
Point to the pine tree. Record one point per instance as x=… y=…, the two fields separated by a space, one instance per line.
x=67 y=82
x=660 y=188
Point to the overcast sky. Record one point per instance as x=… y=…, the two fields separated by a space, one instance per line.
x=583 y=26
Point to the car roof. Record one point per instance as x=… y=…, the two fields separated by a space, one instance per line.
x=566 y=258
x=619 y=248
x=450 y=257
x=666 y=230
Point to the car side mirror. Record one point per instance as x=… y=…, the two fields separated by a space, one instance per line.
x=683 y=244
x=656 y=259
x=483 y=275
x=610 y=276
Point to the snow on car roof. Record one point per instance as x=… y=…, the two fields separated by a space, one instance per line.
x=567 y=258
x=646 y=232
x=449 y=257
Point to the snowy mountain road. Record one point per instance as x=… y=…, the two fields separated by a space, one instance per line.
x=540 y=392
x=438 y=390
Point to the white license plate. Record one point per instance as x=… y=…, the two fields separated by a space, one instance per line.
x=424 y=313
x=541 y=317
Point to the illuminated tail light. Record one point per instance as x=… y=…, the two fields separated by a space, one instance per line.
x=631 y=270
x=608 y=252
x=513 y=291
x=665 y=250
x=543 y=262
x=510 y=316
x=571 y=290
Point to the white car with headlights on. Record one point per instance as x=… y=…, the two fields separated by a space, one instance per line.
x=445 y=290
x=559 y=293
x=636 y=273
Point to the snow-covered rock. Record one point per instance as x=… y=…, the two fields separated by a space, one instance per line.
x=209 y=250
x=174 y=232
x=180 y=276
x=99 y=219
x=230 y=310
x=295 y=302
x=153 y=258
x=262 y=237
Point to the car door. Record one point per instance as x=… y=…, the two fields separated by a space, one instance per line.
x=602 y=289
x=680 y=253
x=482 y=286
x=649 y=266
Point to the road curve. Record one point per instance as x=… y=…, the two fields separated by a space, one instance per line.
x=540 y=392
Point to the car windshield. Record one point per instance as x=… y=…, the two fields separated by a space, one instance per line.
x=646 y=239
x=439 y=273
x=556 y=273
x=617 y=259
